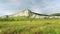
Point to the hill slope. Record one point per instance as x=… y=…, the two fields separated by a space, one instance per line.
x=26 y=13
x=56 y=14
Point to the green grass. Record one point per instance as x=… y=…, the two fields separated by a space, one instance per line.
x=37 y=26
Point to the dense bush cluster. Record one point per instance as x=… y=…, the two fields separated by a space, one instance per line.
x=21 y=19
x=16 y=19
x=13 y=19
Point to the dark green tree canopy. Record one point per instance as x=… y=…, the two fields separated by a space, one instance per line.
x=55 y=14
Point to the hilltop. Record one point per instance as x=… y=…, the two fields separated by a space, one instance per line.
x=29 y=13
x=26 y=13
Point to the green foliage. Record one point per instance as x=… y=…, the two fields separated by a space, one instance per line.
x=37 y=26
x=14 y=19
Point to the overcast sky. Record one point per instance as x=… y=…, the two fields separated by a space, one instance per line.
x=39 y=6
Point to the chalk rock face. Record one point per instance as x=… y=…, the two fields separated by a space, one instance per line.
x=23 y=13
x=26 y=13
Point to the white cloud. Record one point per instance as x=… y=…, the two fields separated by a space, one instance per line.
x=47 y=7
x=36 y=9
x=39 y=6
x=9 y=7
x=5 y=12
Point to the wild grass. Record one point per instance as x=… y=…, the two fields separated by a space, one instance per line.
x=37 y=26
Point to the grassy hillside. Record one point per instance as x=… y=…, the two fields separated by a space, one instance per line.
x=37 y=26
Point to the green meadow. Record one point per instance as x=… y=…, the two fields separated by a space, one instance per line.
x=30 y=26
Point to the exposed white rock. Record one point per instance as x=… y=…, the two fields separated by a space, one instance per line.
x=29 y=13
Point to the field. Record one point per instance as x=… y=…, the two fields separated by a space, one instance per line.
x=39 y=26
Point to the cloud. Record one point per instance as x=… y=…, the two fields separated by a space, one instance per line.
x=36 y=8
x=39 y=6
x=52 y=7
x=6 y=12
x=46 y=6
x=10 y=5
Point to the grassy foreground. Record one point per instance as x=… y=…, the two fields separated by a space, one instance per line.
x=41 y=26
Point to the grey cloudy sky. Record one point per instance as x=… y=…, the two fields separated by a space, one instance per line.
x=39 y=6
